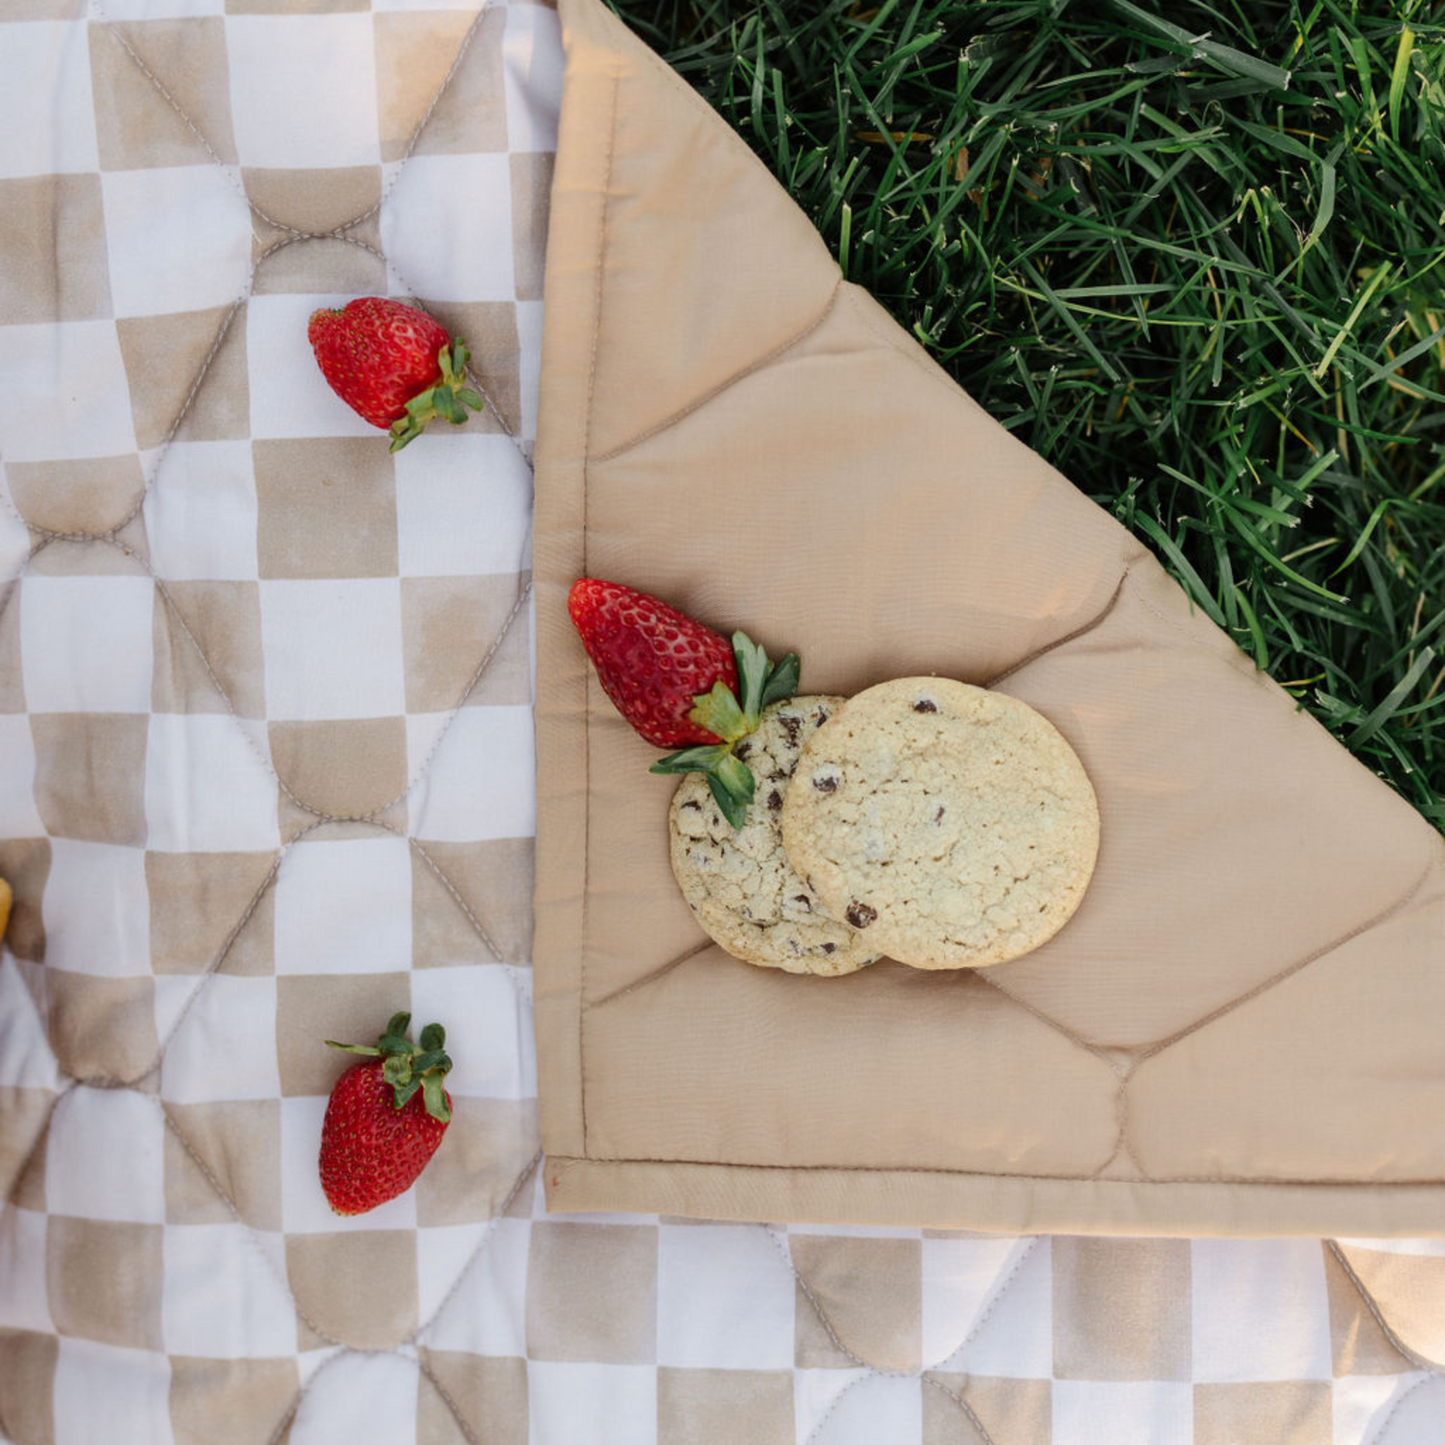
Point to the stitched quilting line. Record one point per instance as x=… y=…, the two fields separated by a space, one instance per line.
x=1379 y=1437
x=751 y=369
x=605 y=194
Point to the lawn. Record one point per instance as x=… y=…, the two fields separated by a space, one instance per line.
x=1192 y=255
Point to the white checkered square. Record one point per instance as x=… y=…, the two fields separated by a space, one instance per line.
x=201 y=256
x=816 y=1393
x=361 y=1397
x=1260 y=1310
x=303 y=89
x=18 y=815
x=26 y=1061
x=1363 y=1404
x=206 y=788
x=435 y=199
x=343 y=906
x=961 y=1279
x=881 y=1408
x=304 y=1209
x=104 y=1392
x=333 y=649
x=601 y=1404
x=201 y=513
x=162 y=9
x=24 y=1300
x=289 y=395
x=105 y=1157
x=54 y=58
x=222 y=1297
x=489 y=1315
x=224 y=1046
x=96 y=919
x=111 y=671
x=489 y=1029
x=748 y=1320
x=532 y=61
x=42 y=417
x=463 y=507
x=463 y=796
x=1017 y=1338
x=1089 y=1412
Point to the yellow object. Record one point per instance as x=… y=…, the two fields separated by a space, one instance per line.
x=4 y=906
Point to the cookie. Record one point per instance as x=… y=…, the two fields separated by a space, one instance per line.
x=739 y=884
x=953 y=827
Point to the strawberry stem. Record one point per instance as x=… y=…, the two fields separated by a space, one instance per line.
x=449 y=399
x=408 y=1067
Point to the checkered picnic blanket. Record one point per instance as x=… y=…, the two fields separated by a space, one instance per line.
x=267 y=778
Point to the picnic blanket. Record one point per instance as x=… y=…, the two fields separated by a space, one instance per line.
x=270 y=719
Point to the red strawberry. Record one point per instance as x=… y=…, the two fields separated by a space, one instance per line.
x=385 y=1118
x=393 y=365
x=677 y=682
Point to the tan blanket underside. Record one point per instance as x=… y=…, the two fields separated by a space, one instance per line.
x=1238 y=1033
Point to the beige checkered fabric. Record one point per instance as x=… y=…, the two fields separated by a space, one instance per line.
x=267 y=758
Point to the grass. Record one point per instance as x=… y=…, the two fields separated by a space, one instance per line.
x=1192 y=254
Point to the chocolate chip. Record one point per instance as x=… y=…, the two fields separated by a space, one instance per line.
x=775 y=801
x=860 y=915
x=925 y=704
x=938 y=816
x=742 y=750
x=821 y=716
x=792 y=726
x=693 y=804
x=829 y=947
x=827 y=784
x=803 y=899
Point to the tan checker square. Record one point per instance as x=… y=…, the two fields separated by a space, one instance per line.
x=414 y=51
x=871 y=1290
x=494 y=879
x=238 y=1143
x=531 y=206
x=52 y=235
x=196 y=899
x=326 y=507
x=1297 y=1411
x=323 y=264
x=313 y=198
x=90 y=775
x=346 y=767
x=164 y=355
x=293 y=7
x=311 y=1008
x=230 y=1402
x=490 y=330
x=447 y=626
x=44 y=9
x=136 y=127
x=25 y=866
x=1122 y=1309
x=359 y=1287
x=12 y=683
x=224 y=618
x=22 y=1145
x=490 y=1393
x=86 y=494
x=486 y=1146
x=1008 y=1409
x=1358 y=1345
x=104 y=1280
x=27 y=1386
x=102 y=1028
x=592 y=1293
x=704 y=1407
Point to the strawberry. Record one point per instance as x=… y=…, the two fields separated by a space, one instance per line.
x=677 y=683
x=393 y=365
x=385 y=1117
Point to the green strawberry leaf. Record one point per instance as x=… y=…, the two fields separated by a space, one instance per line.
x=397 y=1069
x=719 y=713
x=433 y=1058
x=732 y=789
x=436 y=1099
x=401 y=1097
x=433 y=1036
x=782 y=681
x=691 y=760
x=752 y=661
x=397 y=1024
x=353 y=1048
x=470 y=398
